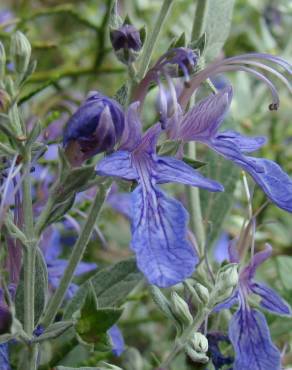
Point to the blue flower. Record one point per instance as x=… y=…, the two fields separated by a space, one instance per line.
x=248 y=329
x=159 y=222
x=95 y=127
x=4 y=357
x=117 y=340
x=202 y=124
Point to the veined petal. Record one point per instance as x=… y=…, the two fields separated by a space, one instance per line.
x=244 y=143
x=132 y=133
x=159 y=229
x=204 y=119
x=251 y=340
x=270 y=300
x=169 y=169
x=267 y=174
x=118 y=164
x=273 y=180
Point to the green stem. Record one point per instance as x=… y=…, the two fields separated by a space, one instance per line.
x=30 y=251
x=76 y=256
x=196 y=218
x=181 y=342
x=152 y=39
x=29 y=264
x=200 y=18
x=194 y=206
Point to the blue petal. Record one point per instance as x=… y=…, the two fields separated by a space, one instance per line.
x=267 y=174
x=228 y=303
x=159 y=229
x=118 y=164
x=273 y=180
x=203 y=121
x=4 y=357
x=270 y=300
x=244 y=143
x=116 y=336
x=168 y=169
x=250 y=337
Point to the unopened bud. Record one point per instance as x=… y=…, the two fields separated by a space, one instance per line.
x=106 y=366
x=181 y=310
x=126 y=42
x=95 y=127
x=202 y=292
x=132 y=359
x=226 y=280
x=20 y=52
x=2 y=61
x=197 y=348
x=227 y=276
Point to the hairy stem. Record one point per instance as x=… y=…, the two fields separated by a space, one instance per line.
x=29 y=255
x=200 y=19
x=76 y=256
x=194 y=206
x=152 y=39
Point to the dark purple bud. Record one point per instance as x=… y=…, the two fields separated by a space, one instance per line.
x=126 y=37
x=95 y=127
x=126 y=42
x=5 y=319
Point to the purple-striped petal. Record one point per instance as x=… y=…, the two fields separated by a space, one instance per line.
x=118 y=164
x=159 y=229
x=267 y=174
x=251 y=340
x=169 y=169
x=204 y=119
x=132 y=133
x=244 y=143
x=270 y=300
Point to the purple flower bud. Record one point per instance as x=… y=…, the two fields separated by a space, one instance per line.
x=95 y=127
x=126 y=37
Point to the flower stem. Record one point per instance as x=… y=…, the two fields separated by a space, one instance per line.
x=76 y=256
x=152 y=39
x=30 y=252
x=194 y=205
x=196 y=218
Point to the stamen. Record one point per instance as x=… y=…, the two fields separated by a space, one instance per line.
x=276 y=100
